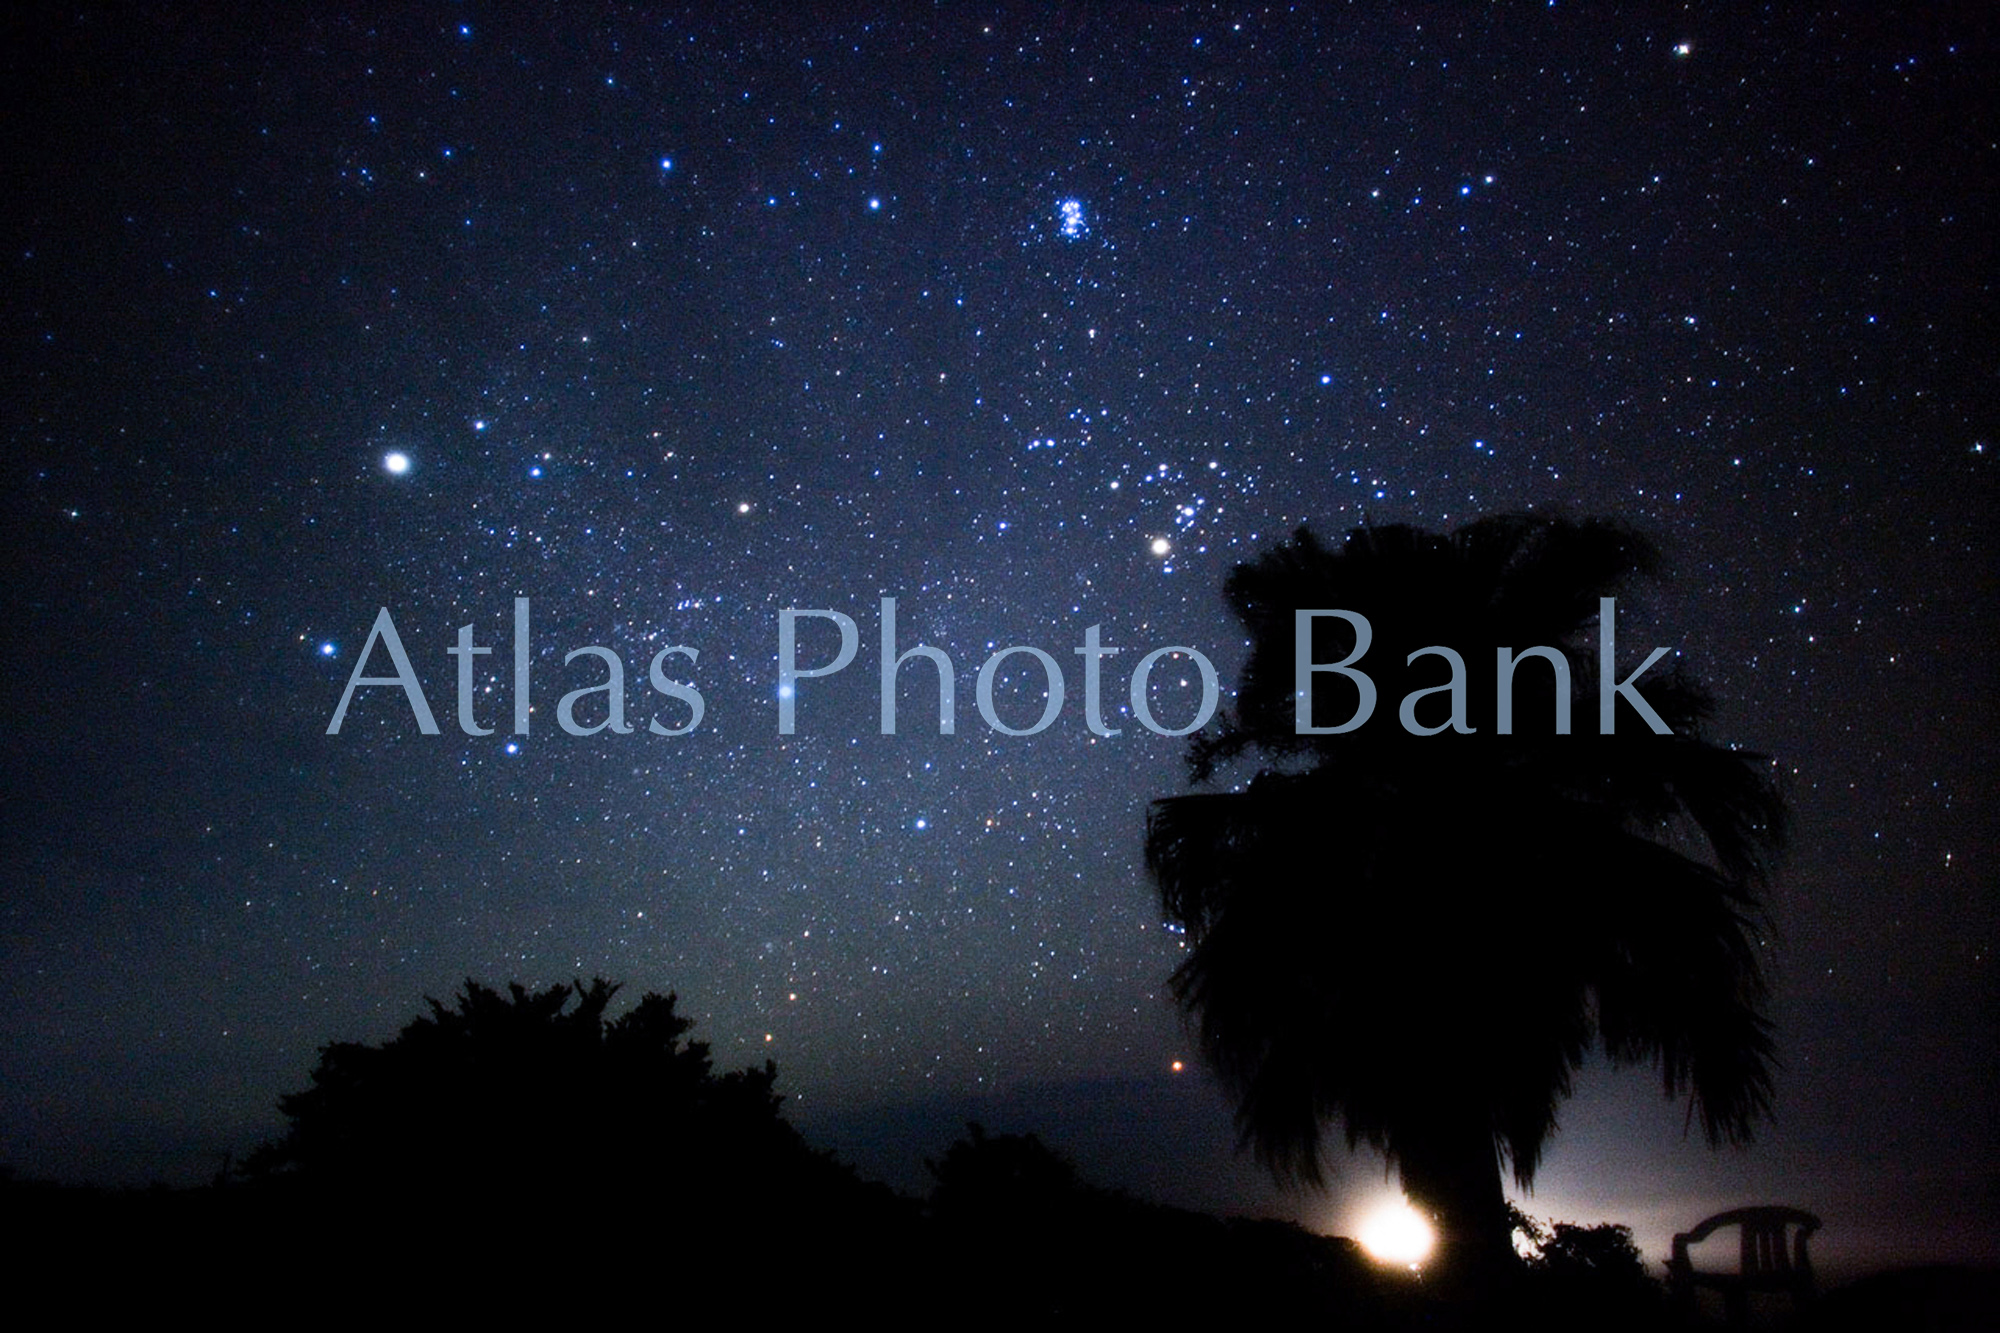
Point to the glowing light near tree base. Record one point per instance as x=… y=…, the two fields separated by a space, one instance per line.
x=1396 y=1233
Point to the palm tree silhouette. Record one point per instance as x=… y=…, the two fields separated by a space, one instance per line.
x=1424 y=935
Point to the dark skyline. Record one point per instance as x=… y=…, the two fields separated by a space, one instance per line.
x=1032 y=321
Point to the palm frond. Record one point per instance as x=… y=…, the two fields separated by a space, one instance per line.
x=1422 y=938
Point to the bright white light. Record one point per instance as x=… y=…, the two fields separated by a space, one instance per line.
x=396 y=464
x=1396 y=1233
x=1069 y=214
x=1161 y=546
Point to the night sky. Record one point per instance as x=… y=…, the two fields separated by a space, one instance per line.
x=1032 y=319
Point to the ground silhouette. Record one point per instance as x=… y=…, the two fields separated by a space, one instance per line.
x=521 y=1153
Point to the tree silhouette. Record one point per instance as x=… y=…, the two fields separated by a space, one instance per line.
x=532 y=1096
x=1423 y=935
x=527 y=1142
x=1004 y=1178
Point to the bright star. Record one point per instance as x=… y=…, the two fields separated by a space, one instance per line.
x=395 y=463
x=1161 y=546
x=326 y=650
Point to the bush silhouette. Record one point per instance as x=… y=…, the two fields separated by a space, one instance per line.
x=1014 y=1220
x=528 y=1138
x=530 y=1094
x=1581 y=1276
x=1003 y=1179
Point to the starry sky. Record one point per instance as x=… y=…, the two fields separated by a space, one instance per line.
x=1031 y=318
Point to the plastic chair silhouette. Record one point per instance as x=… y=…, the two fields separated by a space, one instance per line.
x=1767 y=1263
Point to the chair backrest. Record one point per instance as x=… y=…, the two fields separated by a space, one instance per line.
x=1764 y=1255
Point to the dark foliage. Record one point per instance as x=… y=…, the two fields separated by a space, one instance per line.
x=1008 y=1176
x=530 y=1094
x=1013 y=1222
x=530 y=1135
x=1589 y=1277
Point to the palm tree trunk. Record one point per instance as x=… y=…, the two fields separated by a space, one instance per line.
x=1451 y=1172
